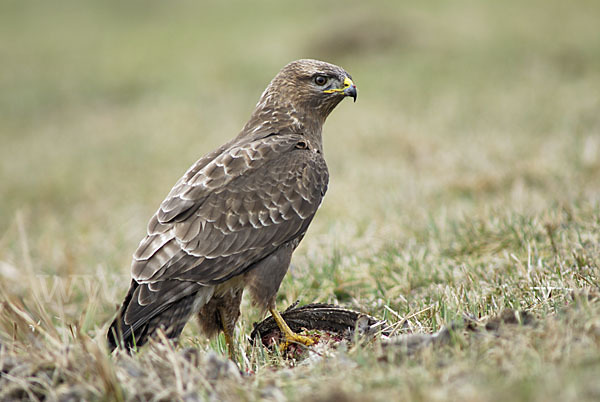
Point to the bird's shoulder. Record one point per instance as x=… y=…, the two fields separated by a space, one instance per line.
x=227 y=213
x=244 y=157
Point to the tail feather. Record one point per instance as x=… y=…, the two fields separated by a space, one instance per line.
x=136 y=323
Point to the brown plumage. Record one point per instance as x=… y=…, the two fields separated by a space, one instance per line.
x=233 y=220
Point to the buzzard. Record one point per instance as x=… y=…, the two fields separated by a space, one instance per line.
x=236 y=216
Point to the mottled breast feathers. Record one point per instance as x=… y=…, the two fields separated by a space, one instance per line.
x=232 y=208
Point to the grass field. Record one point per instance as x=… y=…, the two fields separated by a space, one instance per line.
x=465 y=181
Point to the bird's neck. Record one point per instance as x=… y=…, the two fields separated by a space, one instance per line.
x=284 y=117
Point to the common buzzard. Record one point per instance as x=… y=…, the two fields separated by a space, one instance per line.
x=234 y=219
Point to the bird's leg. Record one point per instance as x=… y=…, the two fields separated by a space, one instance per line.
x=230 y=346
x=290 y=336
x=228 y=332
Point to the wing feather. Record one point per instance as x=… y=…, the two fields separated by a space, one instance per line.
x=232 y=211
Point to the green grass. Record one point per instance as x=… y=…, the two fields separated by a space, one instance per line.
x=464 y=181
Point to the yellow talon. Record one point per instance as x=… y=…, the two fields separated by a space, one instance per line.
x=290 y=336
x=295 y=338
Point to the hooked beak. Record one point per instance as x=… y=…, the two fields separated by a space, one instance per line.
x=349 y=89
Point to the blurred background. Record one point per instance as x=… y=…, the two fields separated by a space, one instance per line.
x=464 y=107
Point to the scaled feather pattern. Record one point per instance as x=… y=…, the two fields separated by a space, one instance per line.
x=234 y=219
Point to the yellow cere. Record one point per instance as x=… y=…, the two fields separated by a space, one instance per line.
x=347 y=84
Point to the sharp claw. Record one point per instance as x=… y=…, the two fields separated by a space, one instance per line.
x=290 y=336
x=304 y=340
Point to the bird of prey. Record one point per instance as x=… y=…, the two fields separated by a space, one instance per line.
x=236 y=216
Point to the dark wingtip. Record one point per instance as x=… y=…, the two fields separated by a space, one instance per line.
x=118 y=336
x=112 y=338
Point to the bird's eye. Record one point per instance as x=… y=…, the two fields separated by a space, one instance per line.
x=320 y=80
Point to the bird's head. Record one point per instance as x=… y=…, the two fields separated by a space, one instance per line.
x=312 y=88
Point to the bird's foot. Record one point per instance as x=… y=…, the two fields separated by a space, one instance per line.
x=294 y=338
x=290 y=336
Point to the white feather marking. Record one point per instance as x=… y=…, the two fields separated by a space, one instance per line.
x=227 y=221
x=264 y=218
x=254 y=220
x=203 y=297
x=154 y=244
